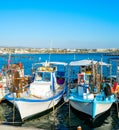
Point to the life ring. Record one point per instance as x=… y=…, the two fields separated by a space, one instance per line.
x=1 y=86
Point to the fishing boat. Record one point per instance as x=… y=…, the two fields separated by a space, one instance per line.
x=7 y=77
x=89 y=93
x=44 y=93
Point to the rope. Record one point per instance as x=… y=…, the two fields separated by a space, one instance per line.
x=36 y=96
x=54 y=112
x=13 y=109
x=69 y=114
x=59 y=107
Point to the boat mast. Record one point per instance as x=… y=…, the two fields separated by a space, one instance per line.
x=50 y=50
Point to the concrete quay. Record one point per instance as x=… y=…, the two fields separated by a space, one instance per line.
x=6 y=127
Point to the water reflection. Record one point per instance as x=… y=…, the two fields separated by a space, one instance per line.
x=60 y=119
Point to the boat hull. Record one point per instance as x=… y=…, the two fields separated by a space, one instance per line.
x=34 y=108
x=91 y=108
x=29 y=108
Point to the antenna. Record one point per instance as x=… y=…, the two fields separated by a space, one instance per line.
x=50 y=49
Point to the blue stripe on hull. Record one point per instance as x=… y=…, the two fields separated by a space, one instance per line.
x=56 y=97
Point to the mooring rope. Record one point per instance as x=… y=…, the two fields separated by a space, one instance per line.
x=59 y=107
x=13 y=108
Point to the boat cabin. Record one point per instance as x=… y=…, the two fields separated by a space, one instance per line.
x=44 y=74
x=89 y=74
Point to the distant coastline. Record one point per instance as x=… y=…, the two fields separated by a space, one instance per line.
x=6 y=50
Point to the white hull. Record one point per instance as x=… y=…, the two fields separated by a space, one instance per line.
x=29 y=109
x=91 y=108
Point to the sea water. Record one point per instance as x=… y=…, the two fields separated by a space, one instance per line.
x=63 y=117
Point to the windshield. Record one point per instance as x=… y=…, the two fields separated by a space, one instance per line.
x=43 y=76
x=47 y=76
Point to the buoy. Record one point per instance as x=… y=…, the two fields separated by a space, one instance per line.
x=79 y=128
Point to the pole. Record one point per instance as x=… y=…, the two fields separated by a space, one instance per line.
x=53 y=110
x=69 y=113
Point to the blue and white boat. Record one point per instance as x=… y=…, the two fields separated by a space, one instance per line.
x=45 y=92
x=87 y=94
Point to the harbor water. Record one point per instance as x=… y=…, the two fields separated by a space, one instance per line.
x=63 y=117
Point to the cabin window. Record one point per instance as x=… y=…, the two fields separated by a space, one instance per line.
x=39 y=76
x=43 y=76
x=60 y=74
x=47 y=76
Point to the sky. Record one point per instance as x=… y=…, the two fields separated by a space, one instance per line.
x=78 y=24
